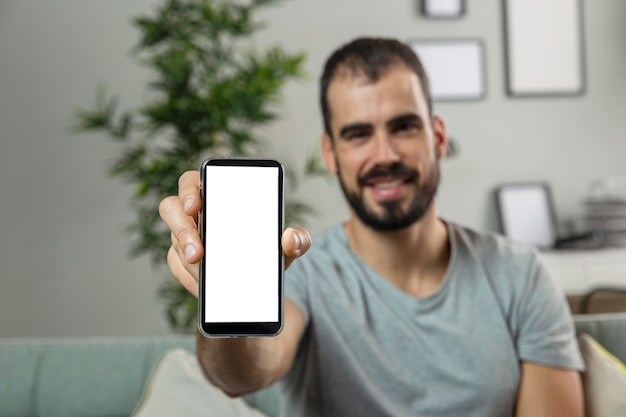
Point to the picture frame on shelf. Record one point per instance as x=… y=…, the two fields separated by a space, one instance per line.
x=442 y=9
x=544 y=48
x=526 y=213
x=455 y=67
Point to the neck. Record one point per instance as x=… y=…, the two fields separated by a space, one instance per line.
x=415 y=258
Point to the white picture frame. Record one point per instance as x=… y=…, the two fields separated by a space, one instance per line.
x=443 y=9
x=544 y=47
x=527 y=214
x=455 y=68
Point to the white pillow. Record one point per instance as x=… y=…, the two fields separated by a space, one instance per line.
x=604 y=380
x=177 y=387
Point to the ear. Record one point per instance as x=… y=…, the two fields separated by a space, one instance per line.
x=328 y=153
x=442 y=141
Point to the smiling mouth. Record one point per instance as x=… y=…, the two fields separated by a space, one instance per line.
x=387 y=189
x=387 y=184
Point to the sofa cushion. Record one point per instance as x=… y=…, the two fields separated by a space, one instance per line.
x=96 y=377
x=19 y=361
x=91 y=380
x=178 y=387
x=604 y=380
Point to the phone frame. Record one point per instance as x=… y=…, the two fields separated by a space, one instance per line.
x=242 y=329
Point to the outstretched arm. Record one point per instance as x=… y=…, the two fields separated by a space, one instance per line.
x=237 y=366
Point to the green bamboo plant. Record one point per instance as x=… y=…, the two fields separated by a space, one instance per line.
x=209 y=93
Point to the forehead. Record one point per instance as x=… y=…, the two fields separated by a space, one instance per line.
x=354 y=98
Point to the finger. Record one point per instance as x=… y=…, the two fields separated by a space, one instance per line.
x=295 y=242
x=183 y=228
x=189 y=192
x=191 y=268
x=185 y=273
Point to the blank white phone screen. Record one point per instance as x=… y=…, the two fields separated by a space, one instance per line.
x=241 y=242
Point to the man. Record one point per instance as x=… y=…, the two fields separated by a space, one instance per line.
x=395 y=312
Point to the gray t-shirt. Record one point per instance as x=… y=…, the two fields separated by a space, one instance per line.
x=370 y=349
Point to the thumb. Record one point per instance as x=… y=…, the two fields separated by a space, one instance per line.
x=295 y=242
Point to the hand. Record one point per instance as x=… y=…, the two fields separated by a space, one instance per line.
x=180 y=213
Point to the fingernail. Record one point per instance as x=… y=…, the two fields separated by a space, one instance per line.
x=298 y=242
x=190 y=252
x=188 y=203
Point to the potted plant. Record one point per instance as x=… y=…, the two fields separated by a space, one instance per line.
x=209 y=95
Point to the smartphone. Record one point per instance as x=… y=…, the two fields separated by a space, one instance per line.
x=241 y=224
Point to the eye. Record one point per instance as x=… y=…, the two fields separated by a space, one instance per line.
x=356 y=135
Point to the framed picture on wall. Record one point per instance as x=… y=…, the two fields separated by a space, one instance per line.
x=544 y=47
x=443 y=9
x=455 y=67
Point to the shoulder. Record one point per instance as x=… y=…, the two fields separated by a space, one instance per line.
x=493 y=250
x=512 y=270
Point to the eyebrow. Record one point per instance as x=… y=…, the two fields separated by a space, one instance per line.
x=404 y=118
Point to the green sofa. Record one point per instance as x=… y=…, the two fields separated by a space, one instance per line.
x=105 y=377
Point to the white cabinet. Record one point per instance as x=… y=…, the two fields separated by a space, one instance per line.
x=577 y=271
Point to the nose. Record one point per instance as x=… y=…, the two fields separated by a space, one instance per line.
x=385 y=152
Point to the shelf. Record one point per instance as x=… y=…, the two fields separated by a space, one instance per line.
x=577 y=271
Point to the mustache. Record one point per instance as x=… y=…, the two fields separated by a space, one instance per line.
x=394 y=170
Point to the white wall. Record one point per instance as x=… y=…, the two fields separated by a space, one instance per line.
x=63 y=252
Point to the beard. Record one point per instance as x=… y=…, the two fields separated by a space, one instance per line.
x=393 y=217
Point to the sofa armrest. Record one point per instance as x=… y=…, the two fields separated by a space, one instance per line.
x=608 y=329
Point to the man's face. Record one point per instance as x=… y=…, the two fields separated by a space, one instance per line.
x=385 y=147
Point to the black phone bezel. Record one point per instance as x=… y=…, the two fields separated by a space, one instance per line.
x=242 y=329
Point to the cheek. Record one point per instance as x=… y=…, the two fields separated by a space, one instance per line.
x=425 y=156
x=358 y=159
x=348 y=162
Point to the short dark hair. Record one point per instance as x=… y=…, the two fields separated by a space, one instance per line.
x=370 y=57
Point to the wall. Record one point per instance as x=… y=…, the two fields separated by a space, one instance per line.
x=63 y=252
